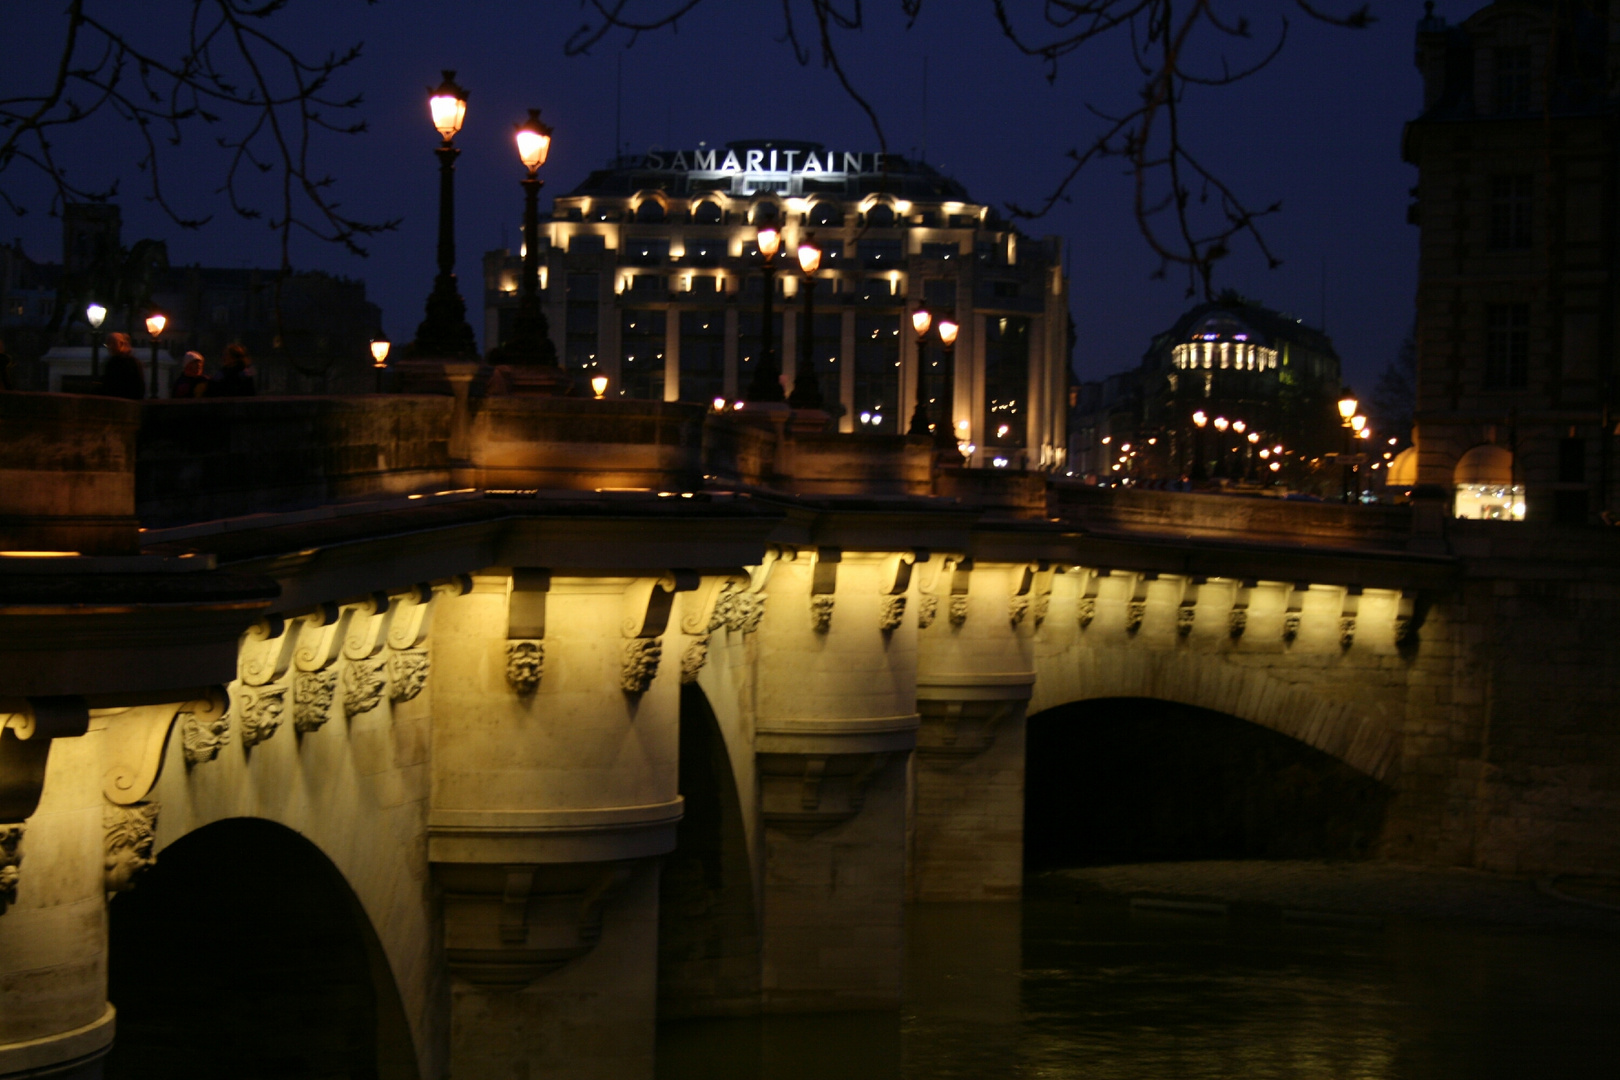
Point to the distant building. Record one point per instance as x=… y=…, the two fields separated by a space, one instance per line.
x=651 y=277
x=320 y=345
x=1230 y=361
x=1516 y=203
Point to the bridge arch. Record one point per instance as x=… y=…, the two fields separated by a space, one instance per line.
x=245 y=952
x=1364 y=737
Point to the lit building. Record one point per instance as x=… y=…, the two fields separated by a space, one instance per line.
x=651 y=277
x=1230 y=362
x=1516 y=335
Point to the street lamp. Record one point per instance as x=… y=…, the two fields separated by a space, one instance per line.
x=1347 y=412
x=379 y=357
x=921 y=320
x=806 y=387
x=944 y=437
x=94 y=313
x=444 y=332
x=1199 y=419
x=599 y=385
x=531 y=337
x=155 y=323
x=766 y=385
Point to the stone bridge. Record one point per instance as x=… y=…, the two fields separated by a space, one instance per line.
x=528 y=766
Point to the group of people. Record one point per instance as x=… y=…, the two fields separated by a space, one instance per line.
x=122 y=375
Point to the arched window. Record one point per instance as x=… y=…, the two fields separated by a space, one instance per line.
x=1485 y=487
x=706 y=212
x=880 y=216
x=650 y=212
x=766 y=213
x=826 y=213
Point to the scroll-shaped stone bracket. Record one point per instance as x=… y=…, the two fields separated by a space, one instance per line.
x=649 y=600
x=824 y=587
x=1349 y=608
x=413 y=620
x=760 y=576
x=1187 y=608
x=1041 y=592
x=931 y=568
x=320 y=637
x=698 y=609
x=1293 y=609
x=1085 y=601
x=1020 y=583
x=27 y=727
x=1237 y=616
x=368 y=629
x=1136 y=606
x=134 y=740
x=267 y=650
x=894 y=573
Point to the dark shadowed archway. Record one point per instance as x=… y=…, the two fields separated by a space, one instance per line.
x=708 y=934
x=1121 y=780
x=244 y=953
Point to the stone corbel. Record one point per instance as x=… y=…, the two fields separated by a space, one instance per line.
x=267 y=650
x=320 y=638
x=1237 y=617
x=894 y=578
x=648 y=603
x=11 y=835
x=1086 y=602
x=1136 y=606
x=134 y=741
x=1041 y=592
x=506 y=926
x=1405 y=618
x=1020 y=579
x=804 y=794
x=414 y=619
x=823 y=587
x=1187 y=609
x=130 y=835
x=27 y=727
x=960 y=713
x=930 y=567
x=1349 y=607
x=699 y=617
x=368 y=628
x=760 y=576
x=526 y=629
x=1293 y=609
x=961 y=582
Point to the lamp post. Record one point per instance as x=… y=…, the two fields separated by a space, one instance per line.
x=155 y=323
x=806 y=386
x=1248 y=455
x=531 y=338
x=599 y=385
x=1199 y=419
x=944 y=436
x=444 y=330
x=1221 y=424
x=1347 y=409
x=1358 y=430
x=379 y=357
x=921 y=320
x=94 y=314
x=766 y=385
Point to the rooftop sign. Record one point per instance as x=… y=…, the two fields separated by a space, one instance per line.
x=704 y=164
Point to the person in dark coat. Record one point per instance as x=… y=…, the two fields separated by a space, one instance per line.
x=121 y=374
x=192 y=383
x=235 y=378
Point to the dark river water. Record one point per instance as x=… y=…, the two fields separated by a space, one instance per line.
x=1051 y=988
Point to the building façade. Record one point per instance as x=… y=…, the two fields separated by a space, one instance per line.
x=651 y=276
x=1516 y=206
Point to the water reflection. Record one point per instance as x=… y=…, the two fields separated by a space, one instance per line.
x=1054 y=989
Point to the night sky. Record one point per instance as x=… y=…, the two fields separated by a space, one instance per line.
x=1319 y=130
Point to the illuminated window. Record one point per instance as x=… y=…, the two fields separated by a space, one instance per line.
x=825 y=212
x=641 y=364
x=1006 y=379
x=877 y=374
x=707 y=213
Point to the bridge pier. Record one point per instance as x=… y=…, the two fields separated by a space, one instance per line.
x=54 y=1014
x=836 y=724
x=554 y=794
x=975 y=676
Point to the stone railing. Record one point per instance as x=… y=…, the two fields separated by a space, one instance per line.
x=67 y=473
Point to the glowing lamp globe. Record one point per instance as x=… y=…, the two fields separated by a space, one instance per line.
x=770 y=241
x=1200 y=418
x=1347 y=406
x=94 y=314
x=155 y=323
x=921 y=320
x=809 y=258
x=379 y=351
x=1221 y=423
x=533 y=141
x=947 y=332
x=449 y=106
x=599 y=384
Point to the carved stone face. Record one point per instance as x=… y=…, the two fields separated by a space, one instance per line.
x=125 y=863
